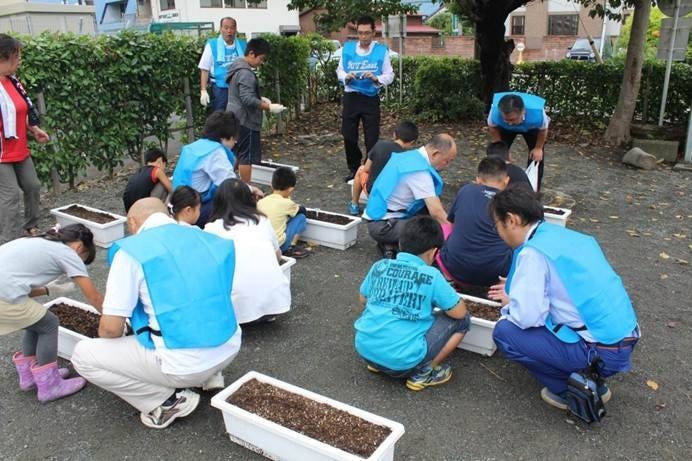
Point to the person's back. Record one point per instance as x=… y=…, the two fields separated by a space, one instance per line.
x=517 y=175
x=379 y=156
x=149 y=181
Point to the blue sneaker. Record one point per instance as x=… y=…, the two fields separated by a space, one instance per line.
x=353 y=209
x=429 y=377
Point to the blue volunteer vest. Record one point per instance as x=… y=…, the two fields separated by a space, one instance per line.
x=190 y=160
x=533 y=119
x=373 y=62
x=223 y=58
x=593 y=286
x=397 y=167
x=189 y=274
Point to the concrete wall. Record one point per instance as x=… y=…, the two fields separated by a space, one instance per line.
x=34 y=18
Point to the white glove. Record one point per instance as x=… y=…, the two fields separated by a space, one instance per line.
x=277 y=108
x=204 y=98
x=59 y=289
x=267 y=100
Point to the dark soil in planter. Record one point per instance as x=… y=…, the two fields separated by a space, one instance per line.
x=316 y=420
x=269 y=165
x=76 y=319
x=483 y=311
x=553 y=211
x=282 y=261
x=328 y=217
x=95 y=216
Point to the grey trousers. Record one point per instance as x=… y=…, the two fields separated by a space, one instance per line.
x=386 y=231
x=16 y=177
x=41 y=339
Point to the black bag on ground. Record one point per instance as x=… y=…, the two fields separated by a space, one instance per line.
x=582 y=396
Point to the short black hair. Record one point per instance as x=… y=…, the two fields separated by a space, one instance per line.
x=153 y=154
x=492 y=167
x=406 y=131
x=498 y=149
x=366 y=20
x=221 y=125
x=283 y=178
x=258 y=46
x=510 y=103
x=9 y=47
x=183 y=197
x=420 y=234
x=519 y=200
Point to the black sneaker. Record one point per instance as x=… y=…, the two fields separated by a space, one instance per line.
x=350 y=176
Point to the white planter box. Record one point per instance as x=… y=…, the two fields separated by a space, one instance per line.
x=104 y=234
x=332 y=235
x=286 y=267
x=277 y=442
x=68 y=339
x=479 y=338
x=560 y=220
x=263 y=174
x=362 y=198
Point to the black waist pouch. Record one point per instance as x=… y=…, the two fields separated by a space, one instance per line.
x=582 y=394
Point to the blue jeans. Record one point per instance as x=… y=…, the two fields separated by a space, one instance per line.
x=294 y=227
x=436 y=337
x=219 y=98
x=550 y=360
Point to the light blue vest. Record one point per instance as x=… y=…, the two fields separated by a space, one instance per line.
x=189 y=274
x=533 y=119
x=223 y=58
x=592 y=285
x=373 y=62
x=398 y=166
x=190 y=160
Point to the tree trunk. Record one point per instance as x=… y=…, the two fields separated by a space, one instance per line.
x=618 y=131
x=493 y=52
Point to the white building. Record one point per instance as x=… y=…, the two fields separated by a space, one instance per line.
x=34 y=17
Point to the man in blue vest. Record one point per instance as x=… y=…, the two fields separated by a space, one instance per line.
x=409 y=184
x=363 y=69
x=520 y=113
x=173 y=283
x=219 y=53
x=564 y=306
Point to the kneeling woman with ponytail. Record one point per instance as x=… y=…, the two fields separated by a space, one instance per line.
x=30 y=267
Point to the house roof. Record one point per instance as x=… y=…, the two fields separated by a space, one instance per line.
x=414 y=29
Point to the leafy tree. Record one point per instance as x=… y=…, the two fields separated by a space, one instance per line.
x=338 y=13
x=443 y=21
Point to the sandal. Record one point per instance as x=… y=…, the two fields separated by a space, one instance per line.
x=296 y=252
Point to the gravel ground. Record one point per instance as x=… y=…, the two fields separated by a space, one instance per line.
x=491 y=409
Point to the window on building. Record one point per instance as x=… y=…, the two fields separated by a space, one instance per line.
x=262 y=4
x=166 y=4
x=234 y=3
x=210 y=3
x=518 y=25
x=563 y=24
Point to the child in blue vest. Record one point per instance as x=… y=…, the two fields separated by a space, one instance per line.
x=399 y=333
x=150 y=180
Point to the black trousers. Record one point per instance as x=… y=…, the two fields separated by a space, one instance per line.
x=530 y=137
x=357 y=107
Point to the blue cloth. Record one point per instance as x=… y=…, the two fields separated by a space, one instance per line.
x=189 y=274
x=191 y=159
x=401 y=294
x=474 y=253
x=219 y=98
x=533 y=118
x=223 y=56
x=372 y=62
x=396 y=168
x=592 y=285
x=294 y=227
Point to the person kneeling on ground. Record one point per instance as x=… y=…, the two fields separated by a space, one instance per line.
x=409 y=184
x=517 y=175
x=172 y=282
x=287 y=217
x=564 y=306
x=398 y=333
x=150 y=180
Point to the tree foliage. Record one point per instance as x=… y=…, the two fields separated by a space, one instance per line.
x=338 y=13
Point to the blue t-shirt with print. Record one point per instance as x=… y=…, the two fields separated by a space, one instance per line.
x=401 y=294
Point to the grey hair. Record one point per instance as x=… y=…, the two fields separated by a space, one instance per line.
x=441 y=142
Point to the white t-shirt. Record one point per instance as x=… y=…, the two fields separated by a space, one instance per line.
x=126 y=286
x=259 y=285
x=206 y=62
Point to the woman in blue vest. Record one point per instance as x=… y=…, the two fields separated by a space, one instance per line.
x=520 y=113
x=563 y=303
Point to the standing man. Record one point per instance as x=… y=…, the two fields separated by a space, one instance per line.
x=364 y=68
x=520 y=113
x=219 y=53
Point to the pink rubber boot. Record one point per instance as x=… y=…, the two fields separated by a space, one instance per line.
x=23 y=365
x=50 y=384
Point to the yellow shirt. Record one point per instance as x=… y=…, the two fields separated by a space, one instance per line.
x=278 y=209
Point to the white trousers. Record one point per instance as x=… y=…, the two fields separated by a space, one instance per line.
x=132 y=372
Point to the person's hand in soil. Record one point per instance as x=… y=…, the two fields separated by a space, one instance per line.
x=497 y=292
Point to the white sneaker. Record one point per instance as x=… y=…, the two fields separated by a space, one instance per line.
x=215 y=381
x=162 y=416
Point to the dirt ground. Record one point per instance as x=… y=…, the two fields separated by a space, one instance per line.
x=491 y=408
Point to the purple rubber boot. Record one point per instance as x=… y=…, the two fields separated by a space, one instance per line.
x=23 y=365
x=50 y=384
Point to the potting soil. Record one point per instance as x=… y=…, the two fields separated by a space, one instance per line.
x=328 y=217
x=95 y=216
x=76 y=319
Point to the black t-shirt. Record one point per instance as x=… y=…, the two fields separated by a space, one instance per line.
x=517 y=176
x=139 y=186
x=379 y=156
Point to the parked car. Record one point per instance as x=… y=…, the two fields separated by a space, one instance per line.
x=581 y=49
x=314 y=58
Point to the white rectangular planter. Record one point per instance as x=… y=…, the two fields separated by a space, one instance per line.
x=68 y=339
x=263 y=174
x=362 y=198
x=560 y=220
x=104 y=234
x=479 y=338
x=332 y=235
x=286 y=267
x=279 y=443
